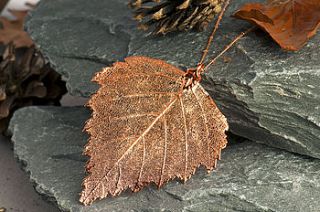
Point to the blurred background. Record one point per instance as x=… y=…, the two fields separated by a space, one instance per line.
x=16 y=191
x=16 y=5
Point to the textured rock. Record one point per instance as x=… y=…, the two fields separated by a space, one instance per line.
x=268 y=95
x=251 y=177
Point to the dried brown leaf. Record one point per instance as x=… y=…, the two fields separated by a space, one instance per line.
x=291 y=23
x=146 y=128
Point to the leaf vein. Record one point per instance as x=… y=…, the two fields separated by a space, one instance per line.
x=164 y=149
x=205 y=120
x=132 y=146
x=185 y=134
x=143 y=158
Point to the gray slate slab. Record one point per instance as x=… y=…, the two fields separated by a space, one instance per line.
x=268 y=95
x=250 y=177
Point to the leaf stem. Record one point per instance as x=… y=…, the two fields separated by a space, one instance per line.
x=206 y=50
x=241 y=35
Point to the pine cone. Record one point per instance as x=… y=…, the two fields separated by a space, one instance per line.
x=26 y=79
x=166 y=16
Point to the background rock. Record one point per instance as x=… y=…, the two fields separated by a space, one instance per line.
x=251 y=177
x=268 y=95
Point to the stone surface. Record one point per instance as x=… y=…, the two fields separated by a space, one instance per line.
x=268 y=95
x=250 y=177
x=15 y=185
